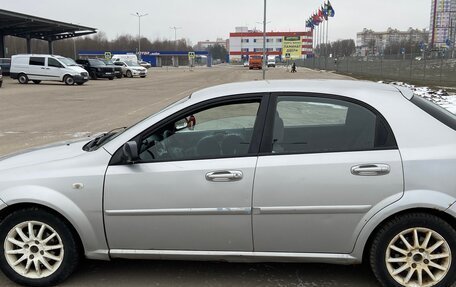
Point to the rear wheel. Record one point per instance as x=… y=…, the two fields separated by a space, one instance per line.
x=93 y=75
x=38 y=248
x=22 y=79
x=111 y=78
x=415 y=249
x=69 y=80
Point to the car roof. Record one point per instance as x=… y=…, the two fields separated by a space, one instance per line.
x=337 y=87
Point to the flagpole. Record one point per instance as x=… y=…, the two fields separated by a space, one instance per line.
x=327 y=47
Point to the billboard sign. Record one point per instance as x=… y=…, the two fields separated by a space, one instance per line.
x=292 y=45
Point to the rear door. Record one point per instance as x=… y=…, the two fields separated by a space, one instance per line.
x=325 y=162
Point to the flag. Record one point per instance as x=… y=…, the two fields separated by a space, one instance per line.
x=315 y=19
x=309 y=23
x=325 y=11
x=331 y=11
x=320 y=15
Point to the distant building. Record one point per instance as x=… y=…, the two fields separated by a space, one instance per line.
x=443 y=23
x=372 y=42
x=203 y=45
x=245 y=42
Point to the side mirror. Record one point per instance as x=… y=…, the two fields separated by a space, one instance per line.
x=130 y=150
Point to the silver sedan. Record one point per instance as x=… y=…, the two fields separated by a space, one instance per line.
x=293 y=171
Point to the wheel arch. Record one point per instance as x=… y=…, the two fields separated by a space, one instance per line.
x=432 y=211
x=26 y=205
x=89 y=230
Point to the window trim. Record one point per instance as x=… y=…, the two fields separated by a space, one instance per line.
x=266 y=142
x=258 y=128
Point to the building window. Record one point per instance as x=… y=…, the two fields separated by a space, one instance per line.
x=269 y=40
x=244 y=40
x=279 y=49
x=245 y=49
x=258 y=49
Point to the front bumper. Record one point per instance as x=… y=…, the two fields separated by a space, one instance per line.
x=139 y=73
x=80 y=79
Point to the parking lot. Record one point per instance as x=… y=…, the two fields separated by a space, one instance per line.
x=33 y=115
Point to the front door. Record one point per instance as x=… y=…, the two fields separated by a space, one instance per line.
x=192 y=188
x=326 y=163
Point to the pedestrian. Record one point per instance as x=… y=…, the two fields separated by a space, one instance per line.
x=293 y=67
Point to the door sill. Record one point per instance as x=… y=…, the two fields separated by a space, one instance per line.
x=235 y=256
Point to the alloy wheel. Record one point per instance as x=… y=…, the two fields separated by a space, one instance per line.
x=33 y=249
x=418 y=257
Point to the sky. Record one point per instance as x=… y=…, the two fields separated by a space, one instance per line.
x=210 y=19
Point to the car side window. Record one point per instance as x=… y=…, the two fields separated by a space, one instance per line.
x=220 y=131
x=54 y=63
x=316 y=124
x=36 y=61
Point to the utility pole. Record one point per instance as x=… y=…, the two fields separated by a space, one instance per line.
x=175 y=32
x=139 y=31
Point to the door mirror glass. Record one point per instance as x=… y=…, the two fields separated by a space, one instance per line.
x=130 y=151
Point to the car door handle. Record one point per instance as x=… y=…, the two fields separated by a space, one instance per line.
x=370 y=169
x=224 y=176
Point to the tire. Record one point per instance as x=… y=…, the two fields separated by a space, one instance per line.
x=23 y=79
x=80 y=84
x=129 y=74
x=66 y=254
x=111 y=78
x=415 y=258
x=69 y=80
x=143 y=76
x=1 y=84
x=93 y=75
x=36 y=82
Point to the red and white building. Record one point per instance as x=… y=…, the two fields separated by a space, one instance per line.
x=245 y=42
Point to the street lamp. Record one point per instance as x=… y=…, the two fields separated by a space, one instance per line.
x=139 y=32
x=175 y=32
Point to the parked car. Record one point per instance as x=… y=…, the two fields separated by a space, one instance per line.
x=144 y=64
x=1 y=77
x=97 y=69
x=131 y=69
x=5 y=64
x=292 y=171
x=37 y=68
x=117 y=69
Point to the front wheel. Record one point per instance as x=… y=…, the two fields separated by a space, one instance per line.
x=415 y=249
x=69 y=80
x=129 y=74
x=38 y=248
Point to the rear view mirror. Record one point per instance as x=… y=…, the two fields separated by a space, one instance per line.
x=130 y=150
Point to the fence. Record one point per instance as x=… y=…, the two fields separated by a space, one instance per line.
x=439 y=70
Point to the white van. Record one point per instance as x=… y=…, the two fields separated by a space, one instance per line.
x=124 y=58
x=37 y=68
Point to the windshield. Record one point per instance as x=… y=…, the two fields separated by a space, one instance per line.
x=95 y=62
x=67 y=61
x=132 y=63
x=108 y=62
